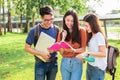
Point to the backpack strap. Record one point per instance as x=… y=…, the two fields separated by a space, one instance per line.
x=112 y=72
x=37 y=31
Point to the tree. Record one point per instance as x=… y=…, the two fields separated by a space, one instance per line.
x=9 y=24
x=78 y=5
x=0 y=19
x=0 y=29
x=0 y=10
x=30 y=8
x=34 y=10
x=20 y=10
x=4 y=16
x=91 y=4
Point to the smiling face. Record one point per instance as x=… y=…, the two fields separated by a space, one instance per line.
x=69 y=21
x=47 y=20
x=87 y=27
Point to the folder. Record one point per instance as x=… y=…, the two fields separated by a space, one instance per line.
x=44 y=41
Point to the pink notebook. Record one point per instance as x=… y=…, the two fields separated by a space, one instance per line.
x=58 y=45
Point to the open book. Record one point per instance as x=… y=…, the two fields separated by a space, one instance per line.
x=44 y=41
x=56 y=46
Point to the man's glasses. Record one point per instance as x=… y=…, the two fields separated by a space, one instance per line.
x=47 y=20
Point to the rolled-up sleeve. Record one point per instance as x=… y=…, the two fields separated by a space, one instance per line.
x=30 y=37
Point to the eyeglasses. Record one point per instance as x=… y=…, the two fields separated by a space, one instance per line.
x=47 y=20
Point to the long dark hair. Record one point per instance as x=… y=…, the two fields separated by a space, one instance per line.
x=94 y=23
x=75 y=35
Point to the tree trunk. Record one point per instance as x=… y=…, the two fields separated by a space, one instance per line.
x=21 y=25
x=27 y=27
x=9 y=22
x=0 y=18
x=0 y=29
x=4 y=18
x=33 y=21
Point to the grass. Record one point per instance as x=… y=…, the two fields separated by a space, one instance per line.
x=16 y=64
x=112 y=29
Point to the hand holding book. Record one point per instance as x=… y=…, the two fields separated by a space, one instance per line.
x=47 y=41
x=86 y=57
x=61 y=45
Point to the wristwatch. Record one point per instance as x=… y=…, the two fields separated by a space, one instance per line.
x=88 y=53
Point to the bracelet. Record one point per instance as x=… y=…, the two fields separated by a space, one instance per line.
x=88 y=53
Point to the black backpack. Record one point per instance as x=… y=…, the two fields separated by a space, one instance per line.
x=113 y=53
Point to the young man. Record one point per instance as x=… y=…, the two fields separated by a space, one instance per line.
x=43 y=70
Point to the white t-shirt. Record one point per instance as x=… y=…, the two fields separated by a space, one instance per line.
x=93 y=46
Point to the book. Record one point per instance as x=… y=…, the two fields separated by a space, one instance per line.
x=44 y=41
x=88 y=58
x=62 y=44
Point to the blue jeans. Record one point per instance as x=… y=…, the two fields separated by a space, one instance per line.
x=71 y=69
x=45 y=70
x=94 y=73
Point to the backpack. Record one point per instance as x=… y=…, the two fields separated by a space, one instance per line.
x=113 y=53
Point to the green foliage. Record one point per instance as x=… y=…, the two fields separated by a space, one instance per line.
x=30 y=8
x=78 y=5
x=20 y=6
